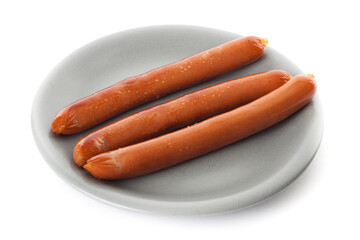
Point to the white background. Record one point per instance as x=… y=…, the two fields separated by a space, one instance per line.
x=321 y=37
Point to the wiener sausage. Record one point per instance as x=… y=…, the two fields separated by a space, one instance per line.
x=157 y=83
x=178 y=113
x=206 y=136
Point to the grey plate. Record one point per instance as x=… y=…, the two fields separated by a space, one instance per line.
x=234 y=177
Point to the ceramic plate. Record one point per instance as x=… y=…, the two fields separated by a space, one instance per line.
x=231 y=178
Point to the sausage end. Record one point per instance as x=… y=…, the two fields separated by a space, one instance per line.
x=308 y=85
x=78 y=154
x=56 y=125
x=264 y=41
x=103 y=166
x=311 y=76
x=65 y=122
x=89 y=146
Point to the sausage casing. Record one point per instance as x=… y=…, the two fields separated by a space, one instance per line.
x=134 y=91
x=178 y=113
x=206 y=136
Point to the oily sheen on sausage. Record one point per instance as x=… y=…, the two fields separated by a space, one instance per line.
x=178 y=113
x=206 y=136
x=134 y=91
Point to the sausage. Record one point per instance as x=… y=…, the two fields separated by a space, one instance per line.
x=206 y=136
x=134 y=91
x=178 y=113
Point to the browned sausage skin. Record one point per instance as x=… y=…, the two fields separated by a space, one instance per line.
x=156 y=83
x=206 y=136
x=178 y=113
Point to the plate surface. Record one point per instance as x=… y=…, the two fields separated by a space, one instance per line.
x=231 y=178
